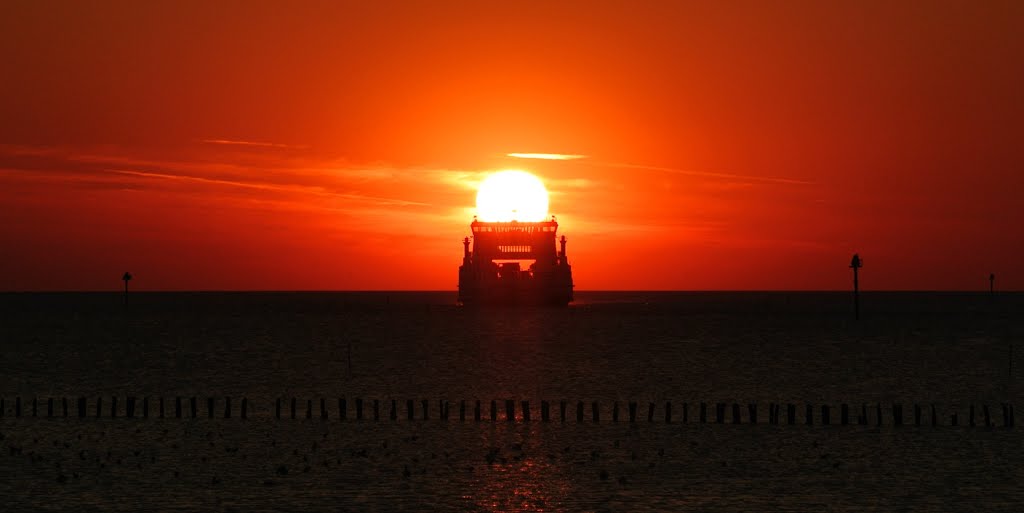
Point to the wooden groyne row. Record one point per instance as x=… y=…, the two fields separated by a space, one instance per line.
x=411 y=410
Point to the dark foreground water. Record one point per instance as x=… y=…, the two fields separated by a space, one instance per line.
x=950 y=350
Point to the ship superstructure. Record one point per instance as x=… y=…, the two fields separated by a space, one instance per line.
x=493 y=273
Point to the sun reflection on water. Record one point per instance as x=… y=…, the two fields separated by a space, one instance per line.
x=516 y=482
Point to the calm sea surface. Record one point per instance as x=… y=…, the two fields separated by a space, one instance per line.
x=951 y=350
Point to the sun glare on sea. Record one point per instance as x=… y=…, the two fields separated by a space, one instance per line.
x=512 y=195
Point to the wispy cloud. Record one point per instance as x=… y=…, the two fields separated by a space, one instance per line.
x=709 y=174
x=546 y=156
x=232 y=142
x=319 y=191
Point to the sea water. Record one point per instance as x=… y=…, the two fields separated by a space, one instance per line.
x=950 y=350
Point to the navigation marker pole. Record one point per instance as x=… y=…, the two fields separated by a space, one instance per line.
x=856 y=264
x=127 y=277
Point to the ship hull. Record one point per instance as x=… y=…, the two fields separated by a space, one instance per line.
x=554 y=290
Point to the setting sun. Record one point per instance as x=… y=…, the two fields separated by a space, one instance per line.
x=512 y=196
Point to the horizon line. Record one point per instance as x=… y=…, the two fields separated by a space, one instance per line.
x=455 y=291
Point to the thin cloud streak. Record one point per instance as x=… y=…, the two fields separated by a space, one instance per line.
x=546 y=156
x=710 y=174
x=232 y=142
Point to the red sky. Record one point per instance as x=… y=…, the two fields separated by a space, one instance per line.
x=336 y=145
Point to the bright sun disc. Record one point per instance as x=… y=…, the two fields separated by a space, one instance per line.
x=512 y=196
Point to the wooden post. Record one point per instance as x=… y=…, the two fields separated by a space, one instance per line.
x=971 y=420
x=650 y=412
x=735 y=413
x=426 y=409
x=476 y=411
x=510 y=410
x=632 y=411
x=209 y=407
x=595 y=411
x=844 y=414
x=277 y=408
x=703 y=413
x=145 y=407
x=545 y=412
x=409 y=410
x=494 y=410
x=49 y=407
x=878 y=414
x=113 y=407
x=227 y=407
x=295 y=407
x=615 y=411
x=462 y=410
x=130 y=407
x=809 y=415
x=897 y=414
x=562 y=406
x=826 y=415
x=324 y=414
x=917 y=414
x=393 y=415
x=359 y=408
x=719 y=413
x=309 y=408
x=245 y=405
x=443 y=405
x=342 y=408
x=177 y=407
x=376 y=410
x=988 y=420
x=935 y=420
x=81 y=407
x=668 y=412
x=194 y=406
x=752 y=412
x=526 y=411
x=579 y=411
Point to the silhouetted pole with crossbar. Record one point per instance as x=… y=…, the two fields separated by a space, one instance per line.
x=856 y=264
x=127 y=277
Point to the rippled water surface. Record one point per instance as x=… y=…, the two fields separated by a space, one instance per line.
x=950 y=350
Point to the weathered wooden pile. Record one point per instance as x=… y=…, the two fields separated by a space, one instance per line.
x=179 y=408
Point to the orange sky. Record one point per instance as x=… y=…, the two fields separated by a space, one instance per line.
x=336 y=145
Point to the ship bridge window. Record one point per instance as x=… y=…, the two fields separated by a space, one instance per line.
x=515 y=248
